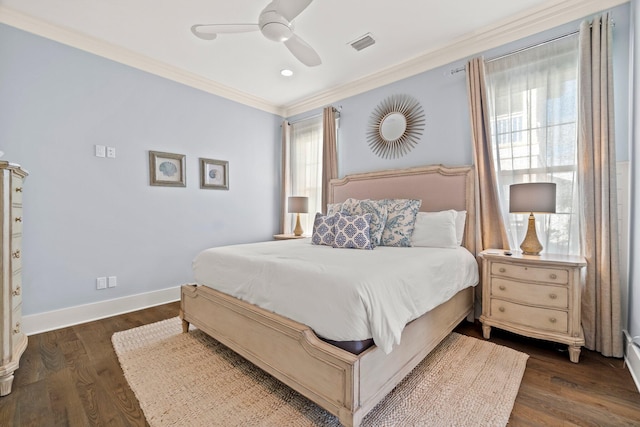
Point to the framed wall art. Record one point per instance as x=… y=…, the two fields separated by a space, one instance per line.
x=167 y=169
x=214 y=174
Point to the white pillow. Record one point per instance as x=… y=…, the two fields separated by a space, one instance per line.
x=461 y=218
x=435 y=229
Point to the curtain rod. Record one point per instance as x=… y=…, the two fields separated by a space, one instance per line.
x=315 y=116
x=495 y=58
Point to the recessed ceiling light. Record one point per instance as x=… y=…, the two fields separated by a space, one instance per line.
x=286 y=72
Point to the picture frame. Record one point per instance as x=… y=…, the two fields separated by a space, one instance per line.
x=214 y=174
x=167 y=169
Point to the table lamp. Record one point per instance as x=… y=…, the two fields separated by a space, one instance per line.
x=538 y=197
x=298 y=205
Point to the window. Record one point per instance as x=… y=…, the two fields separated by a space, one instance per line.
x=533 y=102
x=306 y=168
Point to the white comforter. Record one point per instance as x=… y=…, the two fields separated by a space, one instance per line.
x=342 y=294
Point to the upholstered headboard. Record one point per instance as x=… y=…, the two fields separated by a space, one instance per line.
x=439 y=187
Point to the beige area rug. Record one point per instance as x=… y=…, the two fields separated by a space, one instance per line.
x=192 y=380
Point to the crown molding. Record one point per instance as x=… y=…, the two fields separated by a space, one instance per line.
x=545 y=17
x=124 y=56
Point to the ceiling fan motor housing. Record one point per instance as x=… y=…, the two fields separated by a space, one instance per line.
x=274 y=26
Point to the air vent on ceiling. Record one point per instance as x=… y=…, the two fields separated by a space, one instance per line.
x=363 y=42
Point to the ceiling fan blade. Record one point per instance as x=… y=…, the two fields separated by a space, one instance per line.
x=303 y=51
x=210 y=31
x=289 y=9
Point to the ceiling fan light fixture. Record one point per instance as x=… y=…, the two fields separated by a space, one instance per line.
x=275 y=27
x=286 y=72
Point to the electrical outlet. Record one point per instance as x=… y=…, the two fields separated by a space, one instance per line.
x=101 y=283
x=112 y=281
x=100 y=151
x=111 y=152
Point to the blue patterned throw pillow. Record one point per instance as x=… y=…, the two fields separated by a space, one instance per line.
x=378 y=211
x=401 y=219
x=323 y=230
x=352 y=231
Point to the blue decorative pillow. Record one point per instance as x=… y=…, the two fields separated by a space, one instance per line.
x=323 y=233
x=352 y=231
x=401 y=219
x=333 y=208
x=378 y=211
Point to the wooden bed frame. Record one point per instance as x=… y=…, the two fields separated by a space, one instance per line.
x=346 y=385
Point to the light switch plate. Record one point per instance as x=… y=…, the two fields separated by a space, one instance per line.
x=112 y=281
x=100 y=151
x=101 y=283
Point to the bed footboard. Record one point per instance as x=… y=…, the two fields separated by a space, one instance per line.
x=344 y=384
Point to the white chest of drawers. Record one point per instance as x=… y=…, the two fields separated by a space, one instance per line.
x=535 y=296
x=13 y=341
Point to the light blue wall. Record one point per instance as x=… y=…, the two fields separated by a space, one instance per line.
x=87 y=216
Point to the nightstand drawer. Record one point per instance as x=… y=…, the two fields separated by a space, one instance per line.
x=527 y=273
x=534 y=317
x=531 y=293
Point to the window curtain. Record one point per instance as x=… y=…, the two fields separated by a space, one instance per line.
x=285 y=225
x=329 y=153
x=601 y=315
x=491 y=230
x=532 y=98
x=305 y=171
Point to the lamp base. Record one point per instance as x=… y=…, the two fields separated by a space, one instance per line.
x=531 y=245
x=298 y=230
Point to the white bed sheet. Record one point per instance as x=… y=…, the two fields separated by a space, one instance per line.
x=342 y=294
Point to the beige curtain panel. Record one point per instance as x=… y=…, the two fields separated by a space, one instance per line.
x=329 y=153
x=601 y=315
x=491 y=232
x=285 y=225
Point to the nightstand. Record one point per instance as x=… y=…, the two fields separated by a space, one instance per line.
x=534 y=296
x=288 y=236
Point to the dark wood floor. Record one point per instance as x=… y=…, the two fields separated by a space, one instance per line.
x=71 y=377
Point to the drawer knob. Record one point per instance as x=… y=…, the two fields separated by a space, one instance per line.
x=553 y=296
x=16 y=330
x=552 y=320
x=502 y=287
x=501 y=309
x=18 y=189
x=17 y=291
x=18 y=219
x=502 y=269
x=553 y=276
x=16 y=254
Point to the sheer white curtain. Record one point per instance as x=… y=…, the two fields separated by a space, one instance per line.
x=306 y=167
x=532 y=98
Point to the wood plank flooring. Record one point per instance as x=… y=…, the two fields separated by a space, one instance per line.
x=71 y=377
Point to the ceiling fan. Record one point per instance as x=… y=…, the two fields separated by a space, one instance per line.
x=275 y=23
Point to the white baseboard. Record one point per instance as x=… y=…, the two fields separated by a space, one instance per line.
x=50 y=320
x=632 y=358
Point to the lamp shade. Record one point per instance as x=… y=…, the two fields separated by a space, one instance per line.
x=298 y=204
x=538 y=197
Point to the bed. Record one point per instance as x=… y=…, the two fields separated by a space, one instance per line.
x=345 y=384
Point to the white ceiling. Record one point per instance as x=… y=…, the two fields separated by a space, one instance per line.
x=411 y=36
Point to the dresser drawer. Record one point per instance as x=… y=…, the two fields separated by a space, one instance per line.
x=16 y=253
x=531 y=293
x=528 y=273
x=16 y=289
x=16 y=220
x=16 y=190
x=16 y=326
x=534 y=317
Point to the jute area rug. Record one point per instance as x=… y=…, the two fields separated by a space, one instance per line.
x=192 y=380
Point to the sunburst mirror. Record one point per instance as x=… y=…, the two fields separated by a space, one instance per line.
x=395 y=126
